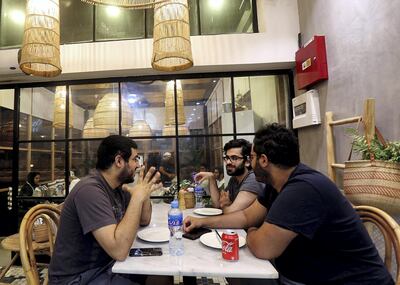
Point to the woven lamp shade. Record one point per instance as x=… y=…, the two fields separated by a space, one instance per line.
x=132 y=4
x=40 y=52
x=169 y=130
x=89 y=131
x=106 y=114
x=140 y=128
x=170 y=104
x=60 y=108
x=172 y=49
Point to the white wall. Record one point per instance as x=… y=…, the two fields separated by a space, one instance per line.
x=274 y=47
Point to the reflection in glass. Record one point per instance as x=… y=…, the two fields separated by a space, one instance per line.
x=117 y=23
x=226 y=16
x=146 y=100
x=96 y=110
x=48 y=161
x=37 y=109
x=6 y=136
x=260 y=100
x=12 y=22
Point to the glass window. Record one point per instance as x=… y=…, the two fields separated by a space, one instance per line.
x=226 y=16
x=95 y=110
x=113 y=23
x=76 y=21
x=260 y=100
x=12 y=22
x=83 y=157
x=42 y=111
x=48 y=161
x=193 y=20
x=152 y=109
x=6 y=136
x=203 y=99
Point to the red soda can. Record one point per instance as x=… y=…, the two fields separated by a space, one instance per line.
x=230 y=245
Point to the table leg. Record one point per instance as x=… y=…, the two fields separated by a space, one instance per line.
x=189 y=280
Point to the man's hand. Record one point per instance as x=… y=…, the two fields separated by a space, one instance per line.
x=201 y=176
x=145 y=185
x=224 y=199
x=190 y=223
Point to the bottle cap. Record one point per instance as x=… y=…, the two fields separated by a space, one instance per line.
x=174 y=204
x=198 y=188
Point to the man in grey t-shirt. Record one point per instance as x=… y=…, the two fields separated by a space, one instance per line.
x=242 y=188
x=100 y=218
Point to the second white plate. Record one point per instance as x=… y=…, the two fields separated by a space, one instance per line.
x=210 y=239
x=155 y=234
x=208 y=211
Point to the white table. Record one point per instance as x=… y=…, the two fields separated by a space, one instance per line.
x=198 y=259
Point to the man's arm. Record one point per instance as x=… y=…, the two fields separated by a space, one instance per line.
x=243 y=200
x=117 y=239
x=166 y=173
x=212 y=183
x=269 y=241
x=146 y=213
x=252 y=216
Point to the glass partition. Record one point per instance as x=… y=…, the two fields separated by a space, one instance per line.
x=12 y=22
x=118 y=23
x=76 y=21
x=260 y=100
x=226 y=17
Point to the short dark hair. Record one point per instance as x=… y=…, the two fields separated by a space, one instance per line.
x=242 y=143
x=278 y=143
x=31 y=177
x=112 y=146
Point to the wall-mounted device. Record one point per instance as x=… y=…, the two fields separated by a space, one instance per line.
x=311 y=63
x=306 y=109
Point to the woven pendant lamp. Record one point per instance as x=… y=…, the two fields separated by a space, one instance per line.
x=106 y=114
x=172 y=49
x=89 y=131
x=133 y=4
x=140 y=128
x=40 y=52
x=169 y=130
x=60 y=108
x=170 y=104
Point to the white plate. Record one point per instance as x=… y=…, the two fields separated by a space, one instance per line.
x=155 y=234
x=210 y=239
x=208 y=211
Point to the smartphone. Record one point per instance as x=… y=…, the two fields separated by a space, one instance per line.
x=149 y=251
x=196 y=233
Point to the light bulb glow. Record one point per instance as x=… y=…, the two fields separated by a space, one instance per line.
x=113 y=11
x=17 y=16
x=215 y=4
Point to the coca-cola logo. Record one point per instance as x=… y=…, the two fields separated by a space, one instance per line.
x=227 y=246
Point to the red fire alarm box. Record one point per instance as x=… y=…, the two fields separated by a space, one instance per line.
x=311 y=64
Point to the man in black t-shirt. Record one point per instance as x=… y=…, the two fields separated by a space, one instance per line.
x=303 y=221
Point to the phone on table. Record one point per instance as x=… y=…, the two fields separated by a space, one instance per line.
x=196 y=233
x=148 y=251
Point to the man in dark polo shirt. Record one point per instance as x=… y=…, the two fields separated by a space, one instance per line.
x=242 y=188
x=100 y=218
x=302 y=221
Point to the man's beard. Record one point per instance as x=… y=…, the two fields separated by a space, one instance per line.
x=262 y=175
x=126 y=176
x=236 y=171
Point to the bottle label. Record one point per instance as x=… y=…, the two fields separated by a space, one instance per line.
x=175 y=220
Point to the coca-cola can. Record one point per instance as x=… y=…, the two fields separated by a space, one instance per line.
x=230 y=245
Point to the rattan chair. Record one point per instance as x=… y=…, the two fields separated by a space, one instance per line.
x=50 y=214
x=390 y=230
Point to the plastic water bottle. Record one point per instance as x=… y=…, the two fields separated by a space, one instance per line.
x=175 y=225
x=198 y=193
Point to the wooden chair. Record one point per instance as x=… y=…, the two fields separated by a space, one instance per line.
x=50 y=214
x=390 y=230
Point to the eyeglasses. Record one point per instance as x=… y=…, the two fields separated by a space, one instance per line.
x=232 y=158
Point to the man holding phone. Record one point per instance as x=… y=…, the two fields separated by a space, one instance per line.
x=100 y=218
